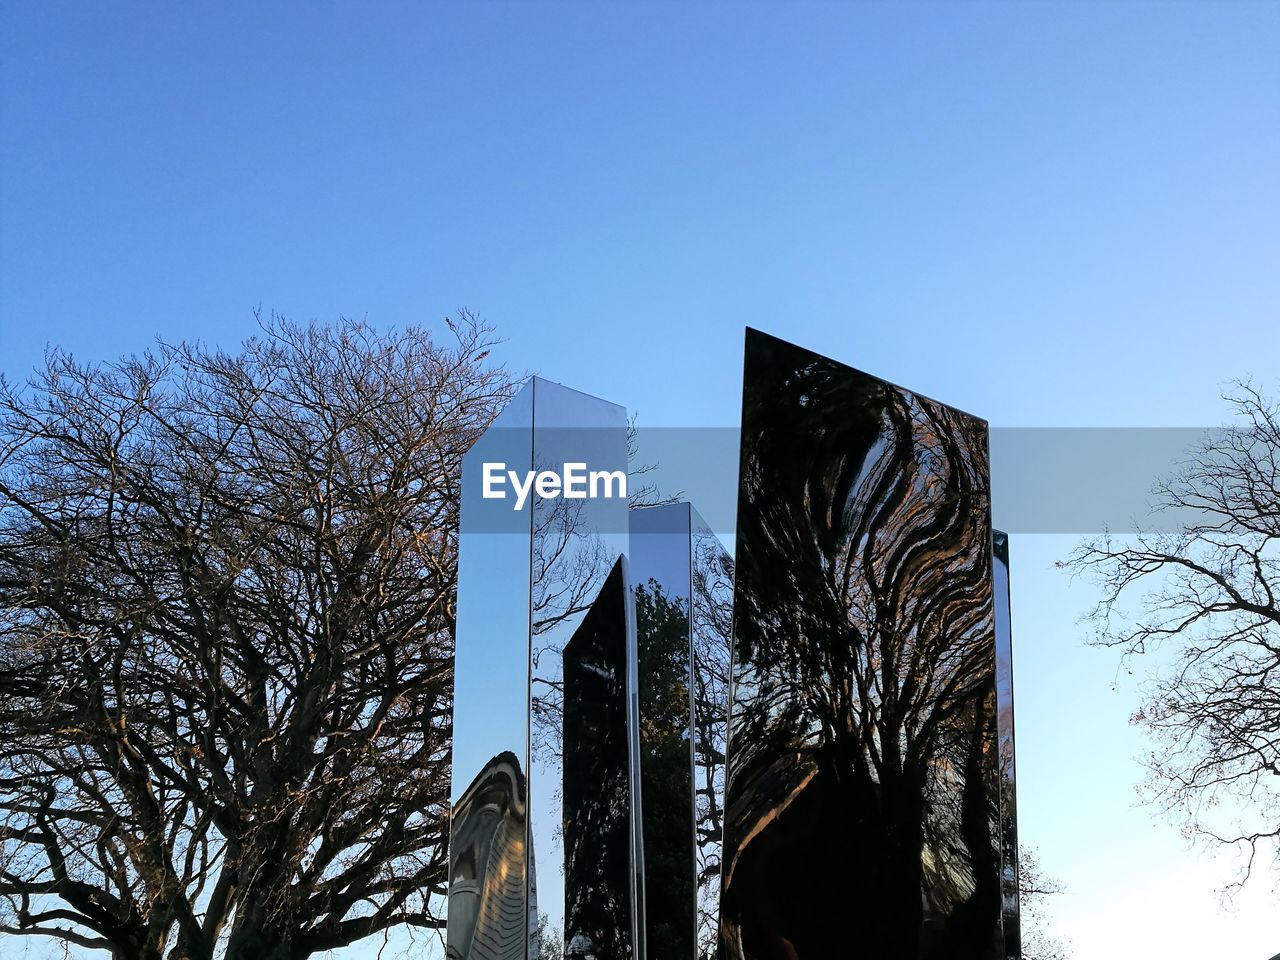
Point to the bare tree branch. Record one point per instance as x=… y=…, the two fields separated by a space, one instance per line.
x=1207 y=594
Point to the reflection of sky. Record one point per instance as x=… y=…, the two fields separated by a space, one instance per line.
x=1004 y=658
x=1048 y=214
x=659 y=545
x=491 y=672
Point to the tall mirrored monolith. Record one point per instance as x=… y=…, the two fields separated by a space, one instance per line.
x=490 y=899
x=683 y=586
x=1008 y=780
x=528 y=574
x=862 y=798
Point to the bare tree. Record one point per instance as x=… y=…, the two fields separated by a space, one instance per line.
x=642 y=492
x=1207 y=593
x=1034 y=889
x=226 y=613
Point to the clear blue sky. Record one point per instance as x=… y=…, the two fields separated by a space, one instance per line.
x=1047 y=214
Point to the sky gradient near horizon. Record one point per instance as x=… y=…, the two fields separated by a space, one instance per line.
x=1049 y=214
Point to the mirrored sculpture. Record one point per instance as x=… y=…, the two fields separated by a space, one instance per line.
x=862 y=798
x=683 y=587
x=653 y=761
x=528 y=574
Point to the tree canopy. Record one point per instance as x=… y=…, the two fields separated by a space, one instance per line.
x=226 y=613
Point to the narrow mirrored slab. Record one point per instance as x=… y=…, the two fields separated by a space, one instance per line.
x=683 y=588
x=488 y=887
x=1008 y=780
x=862 y=808
x=660 y=561
x=528 y=574
x=598 y=824
x=575 y=544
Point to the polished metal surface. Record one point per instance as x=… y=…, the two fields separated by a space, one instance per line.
x=660 y=563
x=489 y=901
x=574 y=546
x=598 y=764
x=1008 y=779
x=527 y=578
x=862 y=802
x=683 y=584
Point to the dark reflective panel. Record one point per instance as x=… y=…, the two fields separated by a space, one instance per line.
x=488 y=902
x=575 y=545
x=862 y=796
x=597 y=776
x=683 y=607
x=1008 y=781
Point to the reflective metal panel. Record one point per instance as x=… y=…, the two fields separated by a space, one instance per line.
x=598 y=775
x=862 y=796
x=575 y=544
x=683 y=584
x=526 y=580
x=1008 y=781
x=488 y=897
x=660 y=561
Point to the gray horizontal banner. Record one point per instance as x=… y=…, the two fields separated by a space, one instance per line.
x=1049 y=480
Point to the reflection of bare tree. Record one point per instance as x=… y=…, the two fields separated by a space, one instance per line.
x=863 y=747
x=712 y=571
x=569 y=561
x=569 y=565
x=683 y=614
x=662 y=625
x=1011 y=906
